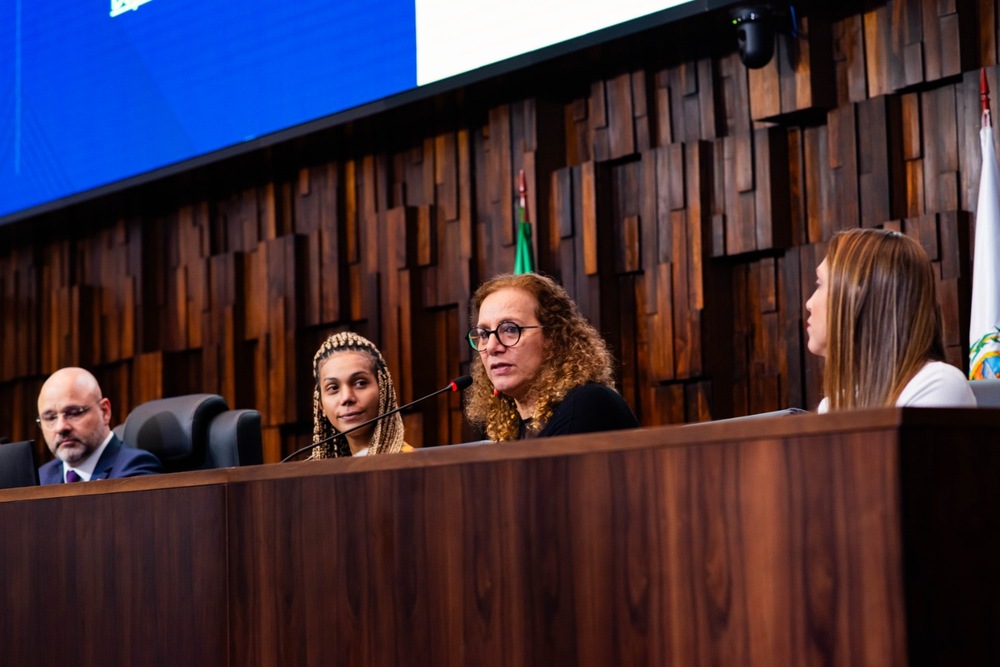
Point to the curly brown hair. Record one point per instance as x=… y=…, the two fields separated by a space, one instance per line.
x=575 y=353
x=387 y=437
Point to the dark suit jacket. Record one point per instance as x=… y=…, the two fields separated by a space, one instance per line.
x=116 y=461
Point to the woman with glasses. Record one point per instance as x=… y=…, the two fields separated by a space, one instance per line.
x=542 y=369
x=353 y=385
x=874 y=319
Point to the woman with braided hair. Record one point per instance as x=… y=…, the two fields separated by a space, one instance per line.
x=353 y=385
x=542 y=369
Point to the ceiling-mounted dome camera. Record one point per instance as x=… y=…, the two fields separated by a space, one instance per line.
x=755 y=28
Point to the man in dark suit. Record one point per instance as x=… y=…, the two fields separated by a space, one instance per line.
x=75 y=421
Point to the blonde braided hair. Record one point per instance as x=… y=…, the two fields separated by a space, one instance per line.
x=388 y=435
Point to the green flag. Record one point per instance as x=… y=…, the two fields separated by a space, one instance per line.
x=524 y=257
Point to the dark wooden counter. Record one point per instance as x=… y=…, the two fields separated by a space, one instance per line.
x=868 y=539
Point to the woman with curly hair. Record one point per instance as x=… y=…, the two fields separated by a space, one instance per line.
x=542 y=369
x=874 y=319
x=353 y=385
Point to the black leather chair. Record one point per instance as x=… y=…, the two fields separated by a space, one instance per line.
x=18 y=465
x=234 y=439
x=195 y=432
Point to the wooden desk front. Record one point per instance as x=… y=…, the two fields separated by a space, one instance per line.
x=869 y=539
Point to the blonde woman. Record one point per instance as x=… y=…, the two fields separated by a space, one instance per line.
x=353 y=385
x=874 y=319
x=541 y=369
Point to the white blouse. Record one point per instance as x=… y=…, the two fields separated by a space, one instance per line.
x=936 y=385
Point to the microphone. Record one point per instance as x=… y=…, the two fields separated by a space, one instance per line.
x=458 y=384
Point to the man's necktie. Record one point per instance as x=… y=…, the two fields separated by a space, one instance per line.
x=71 y=476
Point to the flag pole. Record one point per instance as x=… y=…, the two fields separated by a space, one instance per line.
x=524 y=258
x=984 y=99
x=522 y=188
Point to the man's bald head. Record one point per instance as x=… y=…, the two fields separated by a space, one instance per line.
x=75 y=418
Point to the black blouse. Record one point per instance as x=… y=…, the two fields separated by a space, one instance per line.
x=588 y=408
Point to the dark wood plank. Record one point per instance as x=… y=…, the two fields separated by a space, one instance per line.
x=621 y=116
x=588 y=228
x=843 y=162
x=877 y=45
x=880 y=161
x=940 y=149
x=849 y=60
x=771 y=197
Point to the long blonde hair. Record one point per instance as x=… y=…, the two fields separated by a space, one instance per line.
x=387 y=437
x=883 y=322
x=575 y=353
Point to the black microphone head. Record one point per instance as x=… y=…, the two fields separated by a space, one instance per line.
x=460 y=383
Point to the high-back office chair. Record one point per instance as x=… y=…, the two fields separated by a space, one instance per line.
x=195 y=432
x=987 y=392
x=234 y=439
x=18 y=466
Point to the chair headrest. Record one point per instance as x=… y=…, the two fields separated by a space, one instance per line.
x=174 y=429
x=234 y=439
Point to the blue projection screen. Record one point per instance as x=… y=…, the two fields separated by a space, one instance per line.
x=93 y=94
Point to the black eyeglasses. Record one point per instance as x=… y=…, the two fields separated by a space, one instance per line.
x=508 y=333
x=70 y=414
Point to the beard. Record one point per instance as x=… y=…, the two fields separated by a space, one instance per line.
x=72 y=450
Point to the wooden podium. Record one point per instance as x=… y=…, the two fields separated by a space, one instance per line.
x=869 y=538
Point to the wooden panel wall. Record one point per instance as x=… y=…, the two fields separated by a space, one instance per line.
x=681 y=199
